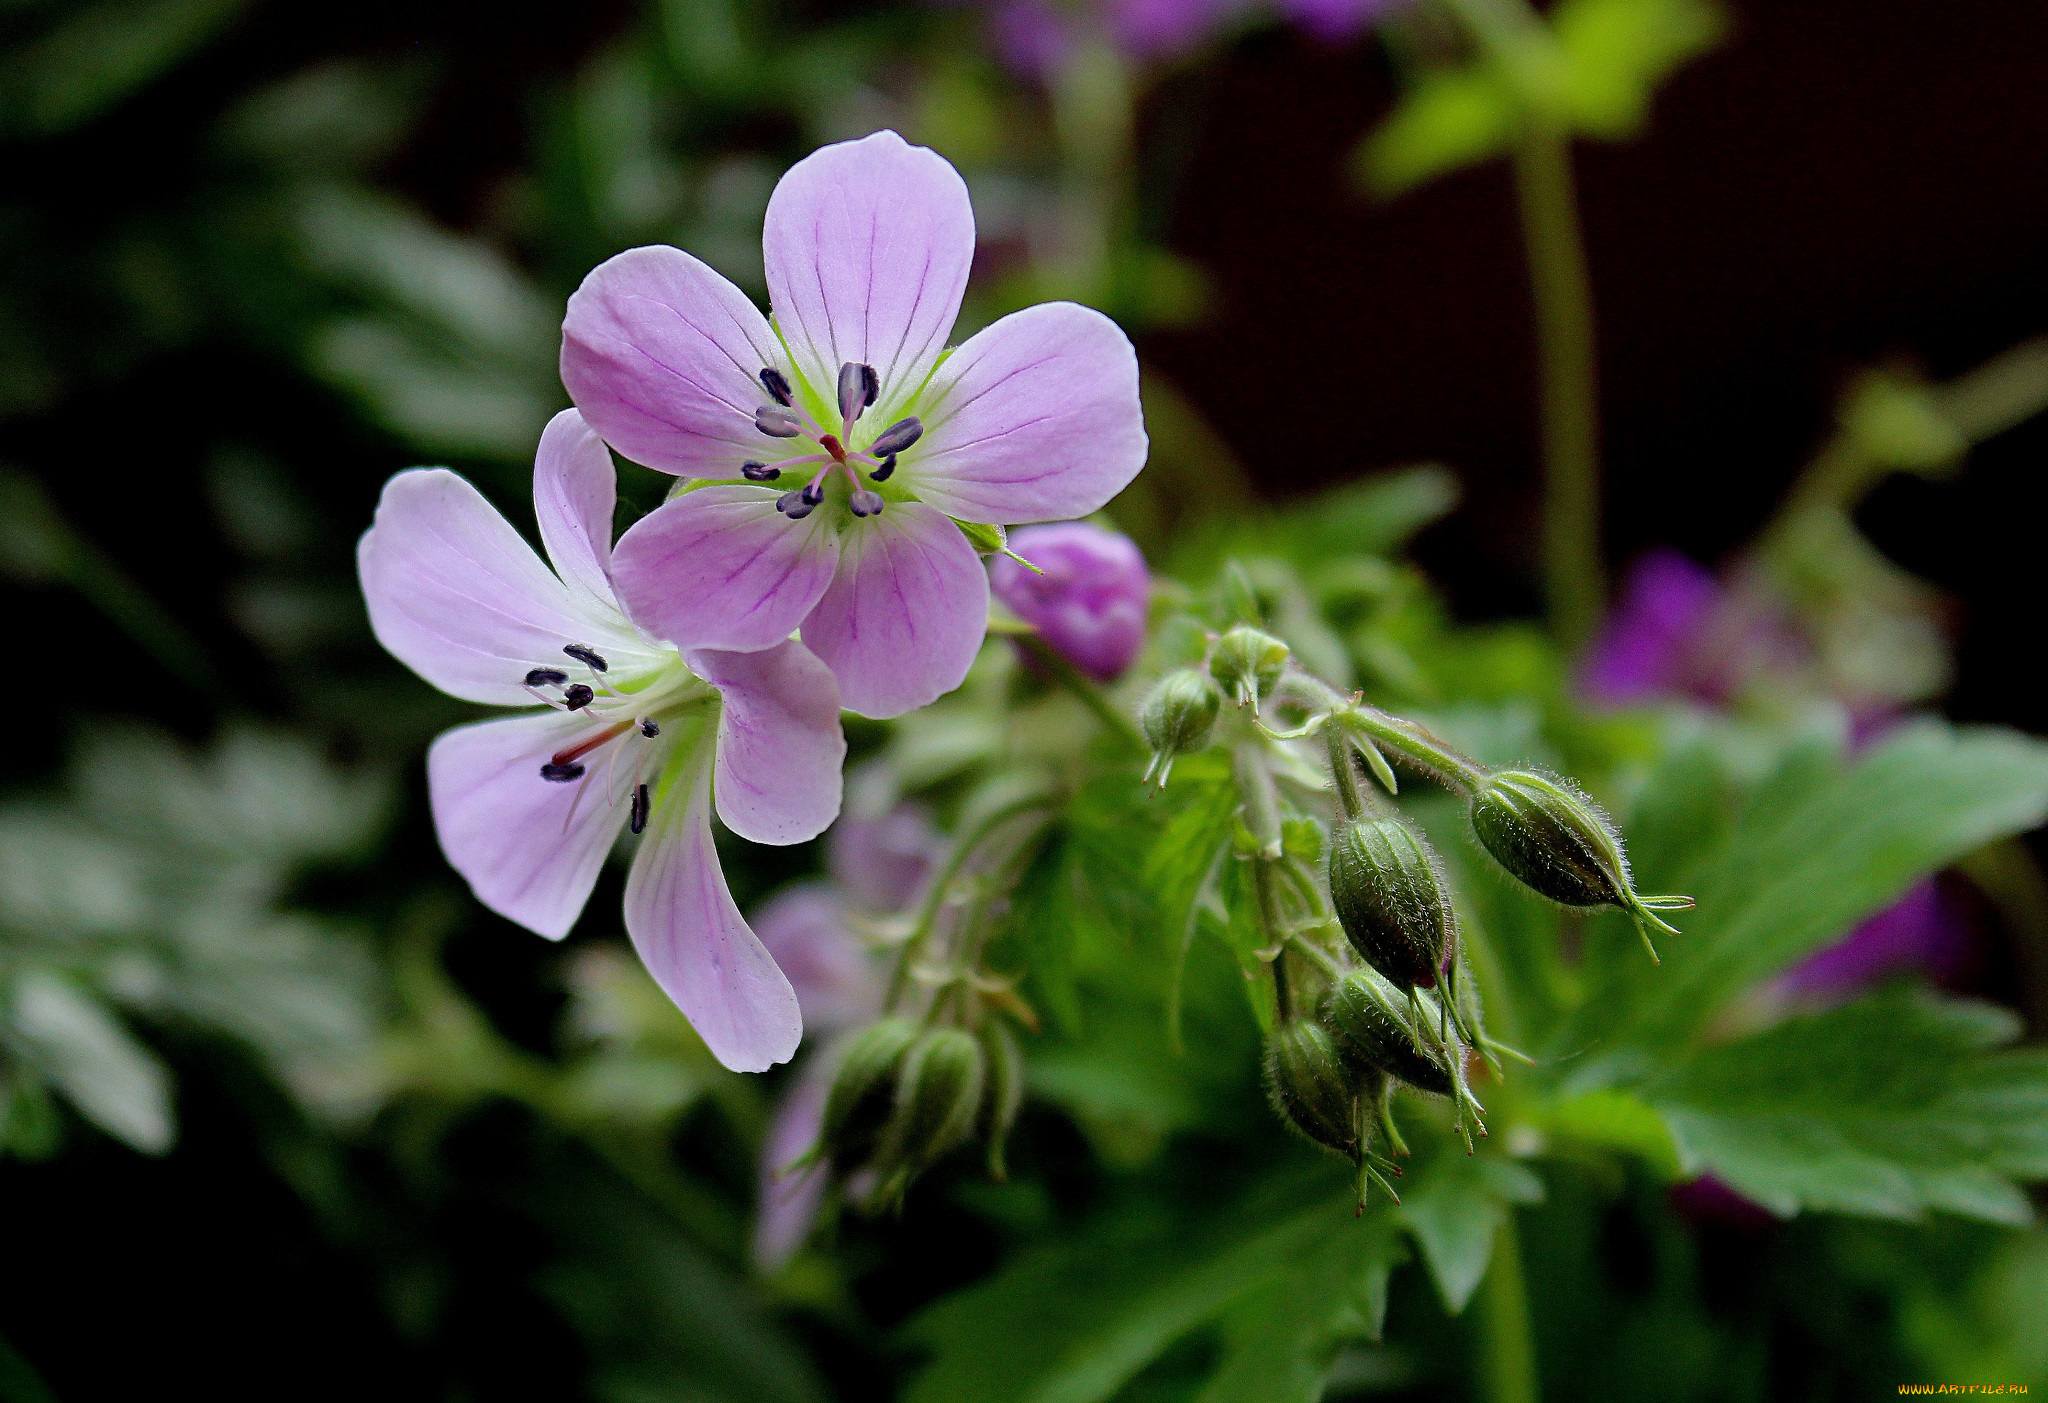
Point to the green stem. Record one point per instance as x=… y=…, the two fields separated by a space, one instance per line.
x=1342 y=775
x=1522 y=45
x=1507 y=1343
x=1084 y=690
x=1574 y=576
x=964 y=848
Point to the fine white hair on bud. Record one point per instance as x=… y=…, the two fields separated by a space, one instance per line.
x=1557 y=842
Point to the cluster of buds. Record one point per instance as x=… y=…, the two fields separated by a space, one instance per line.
x=906 y=1095
x=942 y=1067
x=1372 y=990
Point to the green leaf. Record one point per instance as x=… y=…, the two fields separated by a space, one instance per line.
x=1455 y=1210
x=1816 y=850
x=113 y=1080
x=1614 y=1120
x=99 y=54
x=1889 y=1107
x=1599 y=78
x=1447 y=119
x=1617 y=52
x=1074 y=1322
x=1278 y=1341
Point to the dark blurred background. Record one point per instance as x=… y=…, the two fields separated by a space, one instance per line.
x=1839 y=185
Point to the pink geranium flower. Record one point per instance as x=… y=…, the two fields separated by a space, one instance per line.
x=837 y=439
x=622 y=731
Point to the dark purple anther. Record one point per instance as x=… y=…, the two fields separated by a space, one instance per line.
x=866 y=503
x=813 y=493
x=639 y=818
x=795 y=505
x=649 y=729
x=897 y=437
x=561 y=774
x=759 y=472
x=777 y=423
x=587 y=655
x=1090 y=604
x=777 y=386
x=881 y=474
x=858 y=386
x=546 y=677
x=578 y=696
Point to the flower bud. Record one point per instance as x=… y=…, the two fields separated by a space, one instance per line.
x=1088 y=599
x=1177 y=718
x=1555 y=841
x=1312 y=1087
x=1246 y=663
x=937 y=1105
x=862 y=1090
x=1371 y=1020
x=1005 y=1092
x=1391 y=898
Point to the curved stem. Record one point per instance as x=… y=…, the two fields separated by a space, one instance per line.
x=1507 y=1342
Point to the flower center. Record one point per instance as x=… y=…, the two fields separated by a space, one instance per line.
x=859 y=387
x=615 y=710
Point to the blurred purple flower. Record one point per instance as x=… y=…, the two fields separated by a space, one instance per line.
x=791 y=1196
x=1090 y=603
x=881 y=863
x=1034 y=37
x=1921 y=933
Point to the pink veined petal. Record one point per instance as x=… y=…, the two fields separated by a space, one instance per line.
x=529 y=848
x=779 y=742
x=459 y=597
x=694 y=942
x=721 y=568
x=663 y=356
x=575 y=490
x=1034 y=419
x=868 y=244
x=791 y=1196
x=905 y=614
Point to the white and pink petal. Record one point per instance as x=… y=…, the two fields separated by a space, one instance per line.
x=682 y=920
x=663 y=356
x=530 y=848
x=868 y=245
x=575 y=492
x=905 y=613
x=721 y=568
x=780 y=746
x=1035 y=418
x=458 y=596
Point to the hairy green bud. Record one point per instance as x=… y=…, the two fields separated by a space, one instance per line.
x=1391 y=898
x=1246 y=663
x=1372 y=1020
x=937 y=1106
x=1177 y=718
x=863 y=1090
x=1557 y=842
x=1313 y=1088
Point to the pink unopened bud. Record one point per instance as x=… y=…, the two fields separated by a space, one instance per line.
x=1089 y=605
